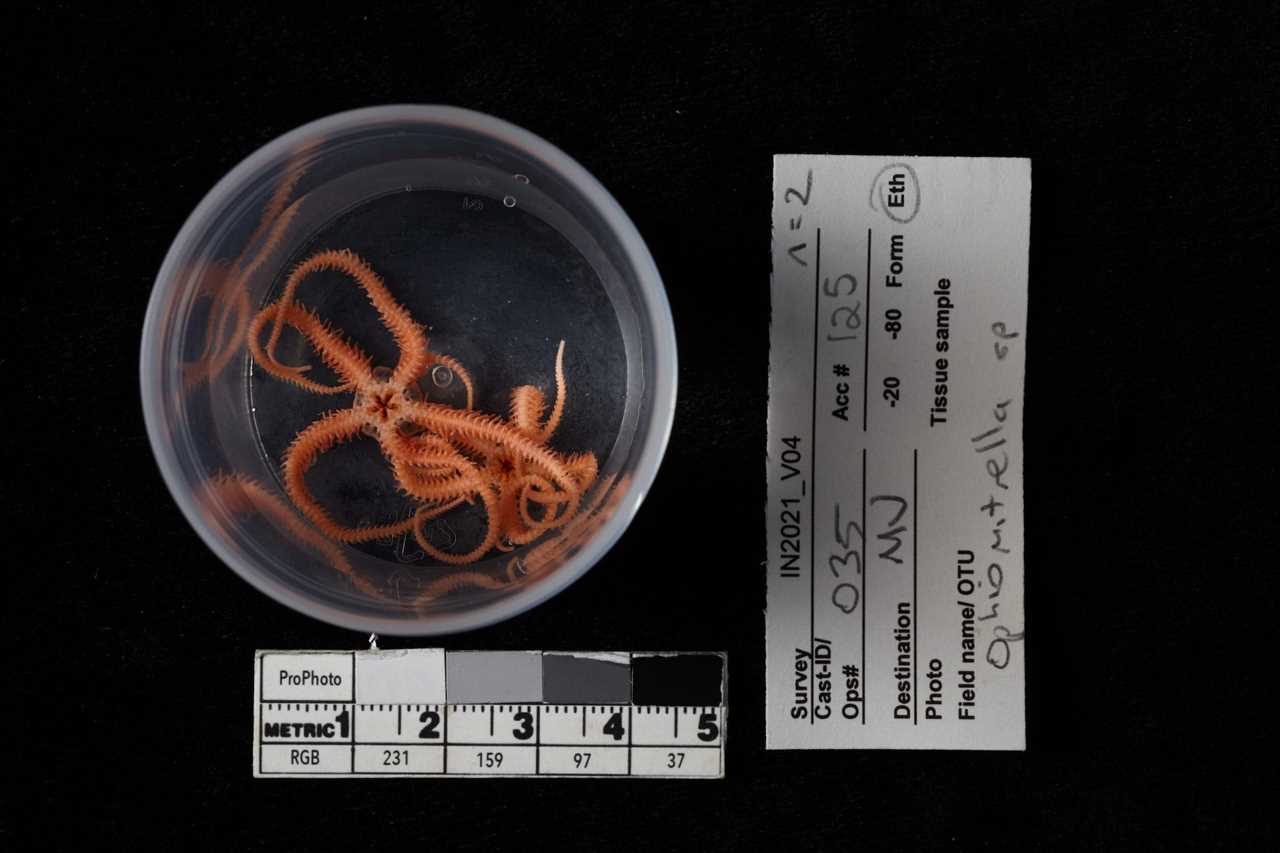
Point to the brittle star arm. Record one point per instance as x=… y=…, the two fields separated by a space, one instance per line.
x=408 y=335
x=592 y=516
x=344 y=358
x=458 y=580
x=335 y=428
x=454 y=423
x=230 y=297
x=557 y=410
x=219 y=347
x=490 y=537
x=241 y=495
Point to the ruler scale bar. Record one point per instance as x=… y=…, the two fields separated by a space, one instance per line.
x=392 y=714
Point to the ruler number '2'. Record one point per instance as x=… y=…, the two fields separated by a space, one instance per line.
x=432 y=727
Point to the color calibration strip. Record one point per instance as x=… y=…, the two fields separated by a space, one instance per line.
x=428 y=713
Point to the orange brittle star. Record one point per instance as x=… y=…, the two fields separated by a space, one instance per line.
x=442 y=456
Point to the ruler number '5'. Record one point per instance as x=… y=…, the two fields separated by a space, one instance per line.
x=707 y=728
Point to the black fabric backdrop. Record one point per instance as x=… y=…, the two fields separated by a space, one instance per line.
x=1152 y=134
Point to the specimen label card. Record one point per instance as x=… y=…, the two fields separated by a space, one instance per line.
x=895 y=526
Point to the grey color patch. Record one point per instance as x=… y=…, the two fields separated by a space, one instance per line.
x=570 y=679
x=493 y=677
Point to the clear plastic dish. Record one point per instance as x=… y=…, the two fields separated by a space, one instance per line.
x=409 y=369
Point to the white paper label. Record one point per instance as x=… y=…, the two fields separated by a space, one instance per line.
x=895 y=527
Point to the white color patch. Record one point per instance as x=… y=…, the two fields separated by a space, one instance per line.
x=400 y=676
x=894 y=459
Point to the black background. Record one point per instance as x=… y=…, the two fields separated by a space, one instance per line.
x=1152 y=132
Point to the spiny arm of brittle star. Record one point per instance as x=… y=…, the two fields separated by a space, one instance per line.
x=550 y=553
x=212 y=285
x=407 y=333
x=527 y=406
x=275 y=221
x=234 y=305
x=591 y=517
x=531 y=489
x=437 y=477
x=229 y=283
x=557 y=410
x=329 y=431
x=427 y=512
x=216 y=357
x=435 y=488
x=486 y=544
x=449 y=475
x=508 y=517
x=531 y=528
x=419 y=478
x=242 y=495
x=450 y=422
x=583 y=467
x=436 y=510
x=231 y=304
x=517 y=524
x=478 y=449
x=459 y=479
x=344 y=358
x=275 y=210
x=244 y=269
x=453 y=582
x=230 y=344
x=422 y=448
x=241 y=272
x=423 y=459
x=519 y=527
x=517 y=489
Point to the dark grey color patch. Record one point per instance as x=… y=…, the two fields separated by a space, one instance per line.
x=579 y=679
